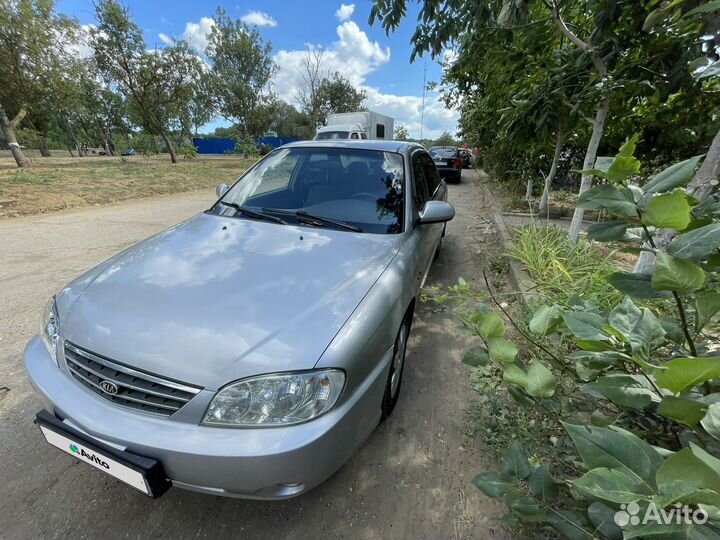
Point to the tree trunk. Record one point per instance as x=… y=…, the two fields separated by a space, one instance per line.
x=44 y=151
x=8 y=129
x=589 y=163
x=170 y=147
x=545 y=199
x=69 y=130
x=700 y=187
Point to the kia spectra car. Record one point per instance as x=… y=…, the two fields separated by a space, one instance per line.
x=249 y=350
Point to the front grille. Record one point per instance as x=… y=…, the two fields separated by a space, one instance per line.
x=135 y=389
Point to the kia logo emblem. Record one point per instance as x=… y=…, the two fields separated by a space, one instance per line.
x=109 y=387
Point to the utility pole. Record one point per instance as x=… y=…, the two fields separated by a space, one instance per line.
x=422 y=107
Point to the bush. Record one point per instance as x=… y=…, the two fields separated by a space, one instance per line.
x=634 y=409
x=145 y=144
x=187 y=151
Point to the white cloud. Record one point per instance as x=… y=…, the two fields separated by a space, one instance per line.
x=196 y=34
x=345 y=11
x=167 y=40
x=355 y=56
x=258 y=18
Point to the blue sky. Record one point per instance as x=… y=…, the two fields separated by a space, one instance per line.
x=362 y=53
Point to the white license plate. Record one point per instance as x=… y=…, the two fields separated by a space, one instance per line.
x=98 y=460
x=440 y=163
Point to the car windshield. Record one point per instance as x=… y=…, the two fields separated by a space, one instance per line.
x=442 y=150
x=327 y=135
x=362 y=189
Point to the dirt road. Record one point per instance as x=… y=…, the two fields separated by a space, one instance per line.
x=410 y=480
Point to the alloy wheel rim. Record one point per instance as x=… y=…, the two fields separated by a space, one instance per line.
x=398 y=359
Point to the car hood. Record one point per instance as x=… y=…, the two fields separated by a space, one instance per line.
x=216 y=299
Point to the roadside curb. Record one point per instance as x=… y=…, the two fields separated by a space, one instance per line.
x=519 y=279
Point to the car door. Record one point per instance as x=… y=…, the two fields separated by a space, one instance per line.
x=425 y=237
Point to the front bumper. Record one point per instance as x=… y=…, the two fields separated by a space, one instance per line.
x=262 y=463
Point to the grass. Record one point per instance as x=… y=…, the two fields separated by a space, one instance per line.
x=561 y=270
x=63 y=182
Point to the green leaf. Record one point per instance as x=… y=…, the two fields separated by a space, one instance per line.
x=527 y=509
x=681 y=374
x=515 y=462
x=541 y=483
x=696 y=245
x=686 y=466
x=570 y=525
x=611 y=485
x=491 y=326
x=673 y=331
x=593 y=346
x=682 y=411
x=615 y=448
x=598 y=419
x=635 y=285
x=622 y=168
x=628 y=147
x=711 y=421
x=512 y=374
x=545 y=319
x=502 y=350
x=603 y=518
x=677 y=275
x=655 y=17
x=491 y=484
x=540 y=380
x=477 y=356
x=639 y=326
x=668 y=211
x=674 y=176
x=704 y=8
x=520 y=396
x=606 y=196
x=585 y=325
x=608 y=231
x=706 y=307
x=623 y=390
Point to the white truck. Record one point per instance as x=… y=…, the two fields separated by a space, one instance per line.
x=357 y=125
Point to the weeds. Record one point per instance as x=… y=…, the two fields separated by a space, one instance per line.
x=561 y=270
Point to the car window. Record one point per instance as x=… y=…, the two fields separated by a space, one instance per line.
x=363 y=188
x=353 y=135
x=432 y=178
x=420 y=192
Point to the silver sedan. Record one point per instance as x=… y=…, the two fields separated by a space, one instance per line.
x=249 y=350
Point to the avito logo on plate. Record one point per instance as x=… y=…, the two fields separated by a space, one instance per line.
x=80 y=452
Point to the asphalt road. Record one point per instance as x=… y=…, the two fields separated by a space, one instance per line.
x=410 y=480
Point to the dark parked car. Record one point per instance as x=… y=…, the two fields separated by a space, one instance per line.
x=448 y=162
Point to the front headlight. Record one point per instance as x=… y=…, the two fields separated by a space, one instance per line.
x=275 y=400
x=50 y=327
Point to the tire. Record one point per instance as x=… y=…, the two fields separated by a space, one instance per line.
x=397 y=366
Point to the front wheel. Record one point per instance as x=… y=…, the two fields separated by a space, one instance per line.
x=392 y=388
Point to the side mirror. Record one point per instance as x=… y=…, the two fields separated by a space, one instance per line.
x=221 y=189
x=436 y=212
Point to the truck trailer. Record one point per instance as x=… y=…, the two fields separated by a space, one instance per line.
x=357 y=125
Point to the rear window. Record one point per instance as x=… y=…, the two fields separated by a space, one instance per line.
x=331 y=135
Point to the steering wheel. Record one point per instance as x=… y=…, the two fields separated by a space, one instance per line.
x=364 y=195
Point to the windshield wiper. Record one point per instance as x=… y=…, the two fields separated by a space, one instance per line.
x=312 y=219
x=253 y=214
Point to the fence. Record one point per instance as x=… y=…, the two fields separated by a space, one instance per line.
x=224 y=145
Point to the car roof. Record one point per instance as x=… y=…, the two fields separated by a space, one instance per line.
x=361 y=144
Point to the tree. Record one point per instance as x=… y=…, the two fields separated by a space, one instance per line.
x=401 y=133
x=338 y=95
x=445 y=140
x=157 y=84
x=241 y=72
x=312 y=75
x=32 y=58
x=622 y=65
